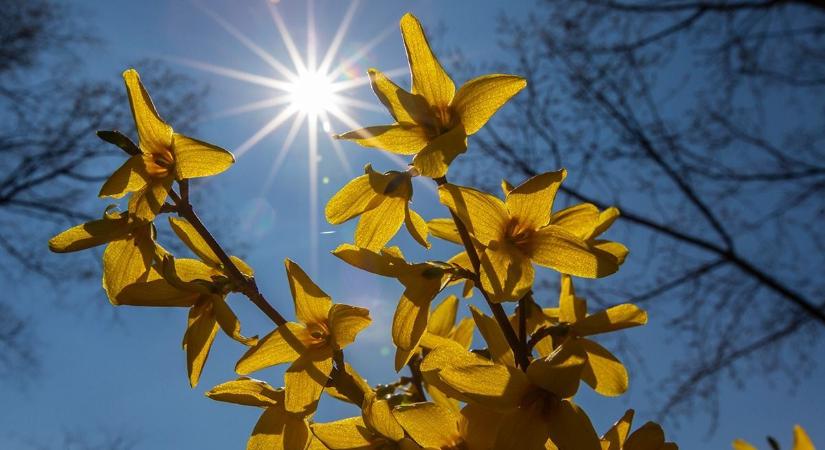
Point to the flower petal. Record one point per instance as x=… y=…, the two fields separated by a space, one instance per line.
x=496 y=343
x=478 y=99
x=345 y=322
x=126 y=261
x=617 y=250
x=247 y=391
x=129 y=177
x=377 y=414
x=801 y=441
x=153 y=133
x=197 y=341
x=428 y=77
x=195 y=158
x=155 y=291
x=493 y=386
x=463 y=332
x=506 y=273
x=560 y=372
x=416 y=226
x=410 y=320
x=305 y=380
x=478 y=426
x=145 y=204
x=405 y=107
x=378 y=225
x=346 y=434
x=606 y=219
x=558 y=249
x=614 y=318
x=434 y=159
x=571 y=428
x=373 y=262
x=522 y=429
x=190 y=236
x=740 y=444
x=443 y=317
x=90 y=234
x=603 y=371
x=229 y=322
x=579 y=219
x=401 y=139
x=571 y=308
x=279 y=430
x=617 y=434
x=530 y=202
x=353 y=199
x=484 y=215
x=311 y=303
x=444 y=228
x=284 y=344
x=649 y=435
x=428 y=424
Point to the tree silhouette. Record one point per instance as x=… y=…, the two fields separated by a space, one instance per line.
x=702 y=122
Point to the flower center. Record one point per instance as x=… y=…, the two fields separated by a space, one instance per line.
x=319 y=335
x=518 y=234
x=159 y=163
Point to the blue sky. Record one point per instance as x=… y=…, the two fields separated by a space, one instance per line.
x=124 y=371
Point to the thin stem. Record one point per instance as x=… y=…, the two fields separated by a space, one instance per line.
x=497 y=309
x=339 y=377
x=417 y=381
x=247 y=286
x=522 y=325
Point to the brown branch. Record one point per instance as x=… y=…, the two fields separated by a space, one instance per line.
x=339 y=377
x=416 y=379
x=496 y=308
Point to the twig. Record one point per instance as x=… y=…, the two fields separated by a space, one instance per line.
x=497 y=309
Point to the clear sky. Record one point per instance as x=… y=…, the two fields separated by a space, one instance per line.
x=124 y=371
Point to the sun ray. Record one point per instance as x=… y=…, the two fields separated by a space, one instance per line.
x=361 y=52
x=248 y=43
x=360 y=81
x=249 y=107
x=400 y=162
x=311 y=37
x=291 y=49
x=312 y=129
x=336 y=146
x=284 y=150
x=234 y=73
x=360 y=104
x=332 y=51
x=265 y=131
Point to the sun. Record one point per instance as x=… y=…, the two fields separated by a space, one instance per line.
x=312 y=93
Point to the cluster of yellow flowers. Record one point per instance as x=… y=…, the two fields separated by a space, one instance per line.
x=517 y=392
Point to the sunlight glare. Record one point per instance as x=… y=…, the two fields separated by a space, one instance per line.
x=312 y=93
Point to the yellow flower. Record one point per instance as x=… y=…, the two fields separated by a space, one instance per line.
x=587 y=222
x=433 y=121
x=514 y=233
x=649 y=436
x=535 y=406
x=128 y=255
x=801 y=441
x=277 y=429
x=383 y=202
x=436 y=427
x=602 y=371
x=422 y=282
x=164 y=156
x=201 y=285
x=309 y=345
x=375 y=429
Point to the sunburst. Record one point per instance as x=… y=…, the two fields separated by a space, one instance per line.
x=307 y=91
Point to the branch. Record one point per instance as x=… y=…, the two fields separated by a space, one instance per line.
x=496 y=308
